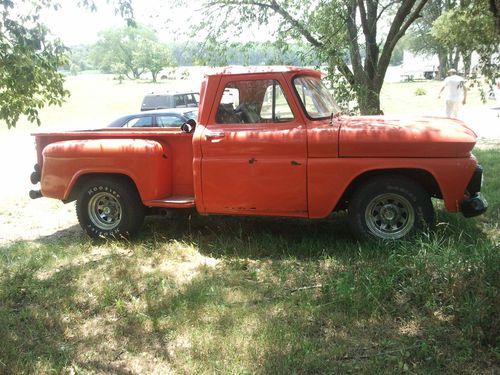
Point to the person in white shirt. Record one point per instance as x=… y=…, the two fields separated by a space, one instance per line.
x=456 y=93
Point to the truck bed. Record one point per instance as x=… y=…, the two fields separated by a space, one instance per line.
x=176 y=147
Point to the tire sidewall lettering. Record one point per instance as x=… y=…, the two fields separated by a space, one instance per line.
x=99 y=232
x=114 y=187
x=100 y=188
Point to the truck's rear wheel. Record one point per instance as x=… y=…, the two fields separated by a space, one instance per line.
x=389 y=208
x=109 y=207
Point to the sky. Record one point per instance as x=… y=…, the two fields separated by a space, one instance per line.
x=75 y=25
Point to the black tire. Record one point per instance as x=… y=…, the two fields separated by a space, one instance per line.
x=390 y=208
x=109 y=207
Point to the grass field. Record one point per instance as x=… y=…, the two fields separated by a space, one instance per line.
x=98 y=99
x=206 y=295
x=197 y=295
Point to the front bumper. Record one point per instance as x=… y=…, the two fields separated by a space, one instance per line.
x=474 y=206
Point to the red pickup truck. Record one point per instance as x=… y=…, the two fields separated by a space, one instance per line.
x=269 y=141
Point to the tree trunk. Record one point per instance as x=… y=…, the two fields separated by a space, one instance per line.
x=495 y=9
x=467 y=59
x=369 y=78
x=443 y=65
x=456 y=59
x=369 y=100
x=369 y=103
x=135 y=73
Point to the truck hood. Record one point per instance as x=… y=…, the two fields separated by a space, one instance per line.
x=381 y=136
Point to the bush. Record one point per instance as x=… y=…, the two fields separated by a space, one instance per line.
x=420 y=92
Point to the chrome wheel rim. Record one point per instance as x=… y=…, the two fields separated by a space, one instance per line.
x=390 y=216
x=105 y=211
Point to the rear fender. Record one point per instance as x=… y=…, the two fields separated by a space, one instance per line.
x=146 y=162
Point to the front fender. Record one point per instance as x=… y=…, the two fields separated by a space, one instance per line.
x=145 y=161
x=328 y=179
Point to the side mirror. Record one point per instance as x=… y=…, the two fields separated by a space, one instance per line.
x=188 y=126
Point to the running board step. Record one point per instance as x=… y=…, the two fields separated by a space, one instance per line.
x=172 y=202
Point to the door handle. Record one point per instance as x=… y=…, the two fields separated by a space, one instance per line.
x=214 y=135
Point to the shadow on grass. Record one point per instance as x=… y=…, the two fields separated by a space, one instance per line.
x=282 y=296
x=246 y=316
x=257 y=237
x=34 y=308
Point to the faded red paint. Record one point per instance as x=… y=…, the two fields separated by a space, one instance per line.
x=297 y=168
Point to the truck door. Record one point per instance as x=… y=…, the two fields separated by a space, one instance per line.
x=254 y=151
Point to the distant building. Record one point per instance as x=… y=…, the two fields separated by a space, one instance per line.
x=419 y=66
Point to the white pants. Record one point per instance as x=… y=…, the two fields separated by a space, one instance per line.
x=452 y=108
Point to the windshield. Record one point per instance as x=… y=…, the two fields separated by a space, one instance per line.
x=315 y=97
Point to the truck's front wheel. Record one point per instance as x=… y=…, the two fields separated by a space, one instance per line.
x=109 y=207
x=389 y=208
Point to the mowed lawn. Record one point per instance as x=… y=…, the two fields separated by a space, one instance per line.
x=206 y=295
x=97 y=99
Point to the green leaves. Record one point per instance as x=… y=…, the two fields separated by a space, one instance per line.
x=131 y=51
x=28 y=68
x=465 y=28
x=341 y=34
x=155 y=56
x=30 y=58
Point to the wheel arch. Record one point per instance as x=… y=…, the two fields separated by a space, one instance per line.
x=82 y=180
x=421 y=177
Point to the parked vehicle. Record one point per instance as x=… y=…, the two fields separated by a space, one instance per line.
x=170 y=100
x=170 y=118
x=271 y=142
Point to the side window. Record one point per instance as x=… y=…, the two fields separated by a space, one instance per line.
x=169 y=121
x=191 y=101
x=257 y=101
x=139 y=122
x=180 y=100
x=275 y=106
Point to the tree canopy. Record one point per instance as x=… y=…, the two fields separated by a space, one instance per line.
x=131 y=51
x=453 y=30
x=29 y=60
x=466 y=29
x=368 y=30
x=356 y=39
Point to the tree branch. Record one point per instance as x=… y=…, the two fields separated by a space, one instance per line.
x=353 y=42
x=412 y=17
x=273 y=5
x=364 y=21
x=382 y=11
x=404 y=17
x=300 y=28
